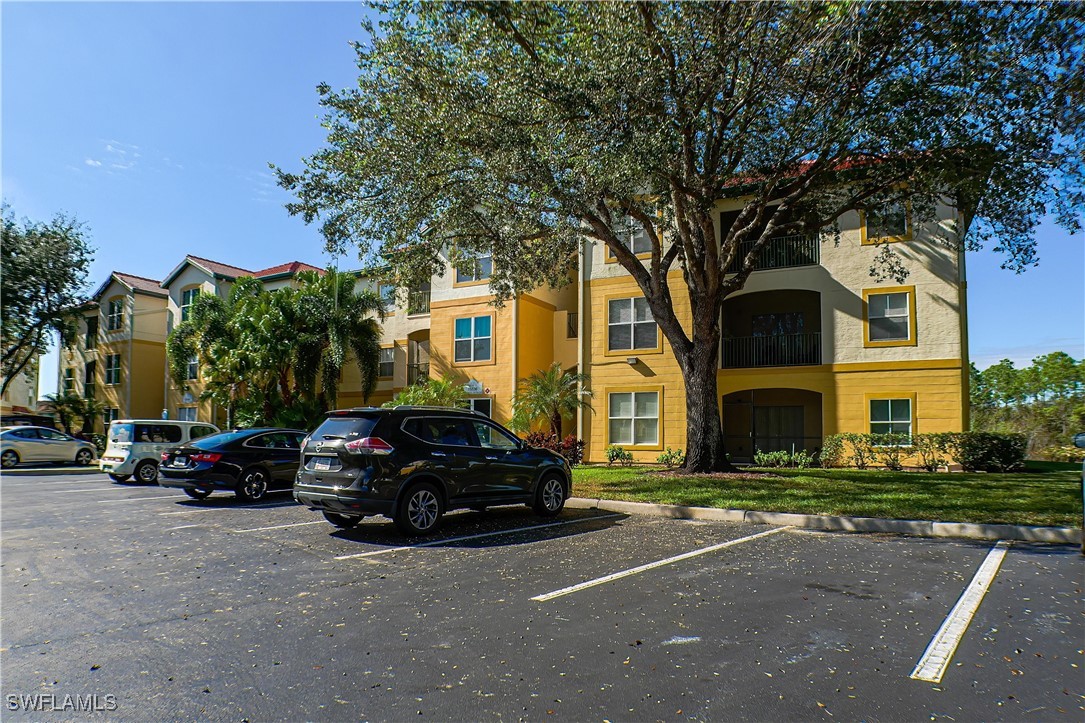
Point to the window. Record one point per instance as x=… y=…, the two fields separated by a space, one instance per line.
x=110 y=414
x=890 y=316
x=891 y=416
x=186 y=414
x=91 y=341
x=157 y=433
x=387 y=365
x=113 y=369
x=115 y=314
x=633 y=236
x=887 y=223
x=491 y=437
x=481 y=405
x=388 y=295
x=634 y=418
x=788 y=322
x=473 y=339
x=88 y=380
x=201 y=431
x=275 y=440
x=69 y=381
x=187 y=297
x=630 y=325
x=193 y=370
x=474 y=268
x=53 y=435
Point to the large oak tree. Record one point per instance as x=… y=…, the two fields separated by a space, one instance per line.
x=520 y=129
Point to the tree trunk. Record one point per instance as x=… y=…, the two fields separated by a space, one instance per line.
x=555 y=424
x=704 y=431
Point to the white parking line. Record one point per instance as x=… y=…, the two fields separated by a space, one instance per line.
x=433 y=543
x=652 y=565
x=96 y=489
x=932 y=666
x=216 y=509
x=137 y=499
x=50 y=483
x=184 y=527
x=281 y=527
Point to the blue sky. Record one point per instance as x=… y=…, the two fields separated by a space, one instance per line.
x=154 y=123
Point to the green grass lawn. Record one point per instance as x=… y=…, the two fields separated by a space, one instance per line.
x=1037 y=498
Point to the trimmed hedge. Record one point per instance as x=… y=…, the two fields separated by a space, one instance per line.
x=571 y=448
x=974 y=451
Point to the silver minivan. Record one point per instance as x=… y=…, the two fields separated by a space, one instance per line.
x=135 y=446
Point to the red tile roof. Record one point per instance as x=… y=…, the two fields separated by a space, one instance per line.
x=291 y=268
x=216 y=267
x=140 y=283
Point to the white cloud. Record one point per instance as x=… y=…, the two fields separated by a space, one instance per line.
x=92 y=162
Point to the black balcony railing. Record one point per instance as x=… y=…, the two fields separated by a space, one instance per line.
x=418 y=302
x=780 y=253
x=782 y=350
x=418 y=373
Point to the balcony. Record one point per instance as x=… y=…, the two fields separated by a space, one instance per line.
x=418 y=373
x=781 y=252
x=418 y=302
x=782 y=350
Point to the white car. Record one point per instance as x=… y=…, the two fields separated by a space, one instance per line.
x=135 y=446
x=42 y=444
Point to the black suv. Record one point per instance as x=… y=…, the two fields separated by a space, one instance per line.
x=413 y=463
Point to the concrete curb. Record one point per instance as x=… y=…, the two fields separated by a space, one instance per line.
x=919 y=528
x=48 y=471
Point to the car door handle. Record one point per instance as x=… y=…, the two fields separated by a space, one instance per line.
x=438 y=454
x=493 y=458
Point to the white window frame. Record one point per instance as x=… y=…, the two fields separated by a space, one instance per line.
x=391 y=351
x=187 y=414
x=471 y=404
x=187 y=297
x=387 y=294
x=472 y=339
x=112 y=373
x=69 y=381
x=889 y=425
x=115 y=315
x=632 y=440
x=474 y=271
x=193 y=368
x=632 y=324
x=896 y=315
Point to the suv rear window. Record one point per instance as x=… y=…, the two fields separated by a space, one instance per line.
x=345 y=427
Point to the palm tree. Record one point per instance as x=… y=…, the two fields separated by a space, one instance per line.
x=549 y=395
x=90 y=410
x=66 y=407
x=444 y=392
x=333 y=323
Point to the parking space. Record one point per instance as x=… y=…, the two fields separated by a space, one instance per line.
x=224 y=610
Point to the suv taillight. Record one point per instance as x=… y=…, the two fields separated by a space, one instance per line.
x=368 y=445
x=207 y=457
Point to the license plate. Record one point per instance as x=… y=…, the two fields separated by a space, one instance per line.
x=322 y=463
x=180 y=461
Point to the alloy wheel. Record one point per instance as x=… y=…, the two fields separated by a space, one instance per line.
x=553 y=494
x=422 y=509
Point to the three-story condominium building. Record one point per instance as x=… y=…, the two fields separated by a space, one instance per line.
x=812 y=345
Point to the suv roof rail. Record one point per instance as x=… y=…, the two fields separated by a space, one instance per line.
x=434 y=408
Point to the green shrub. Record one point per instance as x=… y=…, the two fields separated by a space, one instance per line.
x=832 y=451
x=989 y=452
x=802 y=459
x=930 y=448
x=671 y=458
x=891 y=449
x=862 y=451
x=619 y=455
x=782 y=458
x=571 y=448
x=1062 y=453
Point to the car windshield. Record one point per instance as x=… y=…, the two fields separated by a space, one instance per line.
x=121 y=433
x=220 y=439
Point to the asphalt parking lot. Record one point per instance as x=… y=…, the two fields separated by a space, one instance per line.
x=163 y=608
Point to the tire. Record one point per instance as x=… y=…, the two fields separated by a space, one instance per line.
x=253 y=484
x=419 y=510
x=550 y=496
x=83 y=457
x=147 y=472
x=343 y=522
x=120 y=477
x=197 y=494
x=9 y=459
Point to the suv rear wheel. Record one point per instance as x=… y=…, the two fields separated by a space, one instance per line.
x=550 y=497
x=419 y=510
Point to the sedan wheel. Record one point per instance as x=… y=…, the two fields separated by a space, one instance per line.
x=550 y=498
x=419 y=510
x=9 y=459
x=83 y=457
x=253 y=485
